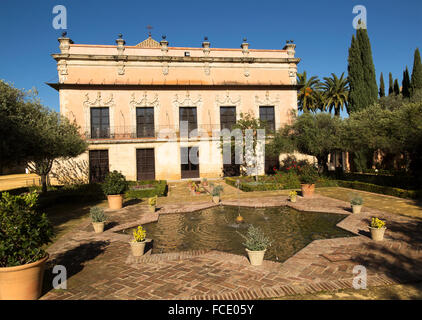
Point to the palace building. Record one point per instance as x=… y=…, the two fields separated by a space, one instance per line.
x=131 y=101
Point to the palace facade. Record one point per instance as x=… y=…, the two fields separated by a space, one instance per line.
x=131 y=101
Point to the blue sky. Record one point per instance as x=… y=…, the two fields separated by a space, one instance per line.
x=322 y=31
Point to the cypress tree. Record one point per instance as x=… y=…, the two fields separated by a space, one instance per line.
x=396 y=87
x=355 y=76
x=406 y=84
x=416 y=82
x=390 y=84
x=382 y=87
x=362 y=78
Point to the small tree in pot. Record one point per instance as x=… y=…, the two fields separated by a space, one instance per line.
x=98 y=219
x=216 y=192
x=356 y=203
x=23 y=233
x=114 y=187
x=256 y=244
x=308 y=176
x=377 y=228
x=152 y=203
x=138 y=242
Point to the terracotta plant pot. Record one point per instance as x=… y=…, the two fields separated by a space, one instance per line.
x=308 y=190
x=98 y=226
x=152 y=208
x=377 y=234
x=138 y=248
x=256 y=257
x=115 y=201
x=22 y=282
x=356 y=208
x=216 y=199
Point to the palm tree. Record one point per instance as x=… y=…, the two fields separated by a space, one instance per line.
x=306 y=94
x=336 y=93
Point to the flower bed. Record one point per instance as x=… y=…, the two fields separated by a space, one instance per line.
x=146 y=189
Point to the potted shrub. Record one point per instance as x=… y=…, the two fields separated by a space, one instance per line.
x=152 y=203
x=293 y=196
x=138 y=242
x=377 y=228
x=216 y=192
x=356 y=203
x=23 y=233
x=256 y=244
x=114 y=187
x=308 y=177
x=98 y=219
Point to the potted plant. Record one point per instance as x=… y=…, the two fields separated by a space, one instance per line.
x=98 y=219
x=216 y=192
x=293 y=196
x=356 y=203
x=205 y=182
x=114 y=187
x=152 y=203
x=377 y=228
x=256 y=244
x=138 y=242
x=308 y=177
x=23 y=233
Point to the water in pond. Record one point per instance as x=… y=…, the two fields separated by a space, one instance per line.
x=215 y=228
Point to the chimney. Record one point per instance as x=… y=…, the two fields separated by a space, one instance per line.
x=290 y=47
x=120 y=44
x=65 y=43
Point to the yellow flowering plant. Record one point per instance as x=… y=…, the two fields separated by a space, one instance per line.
x=139 y=234
x=292 y=194
x=377 y=223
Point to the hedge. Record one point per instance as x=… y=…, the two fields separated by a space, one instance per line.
x=390 y=191
x=397 y=181
x=158 y=188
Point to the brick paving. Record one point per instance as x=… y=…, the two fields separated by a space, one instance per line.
x=100 y=266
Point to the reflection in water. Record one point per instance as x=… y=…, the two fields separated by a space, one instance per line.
x=216 y=228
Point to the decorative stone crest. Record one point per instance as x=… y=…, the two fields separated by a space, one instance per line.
x=97 y=103
x=143 y=103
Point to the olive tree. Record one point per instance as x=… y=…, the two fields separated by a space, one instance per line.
x=317 y=135
x=56 y=137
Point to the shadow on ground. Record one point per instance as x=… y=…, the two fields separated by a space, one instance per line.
x=74 y=260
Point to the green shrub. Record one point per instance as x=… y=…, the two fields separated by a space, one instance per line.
x=97 y=214
x=114 y=183
x=308 y=174
x=356 y=200
x=23 y=230
x=289 y=180
x=216 y=191
x=255 y=239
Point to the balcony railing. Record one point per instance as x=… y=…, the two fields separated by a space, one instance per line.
x=158 y=132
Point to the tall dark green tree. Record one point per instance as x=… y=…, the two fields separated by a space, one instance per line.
x=382 y=86
x=416 y=81
x=406 y=84
x=362 y=78
x=390 y=84
x=396 y=87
